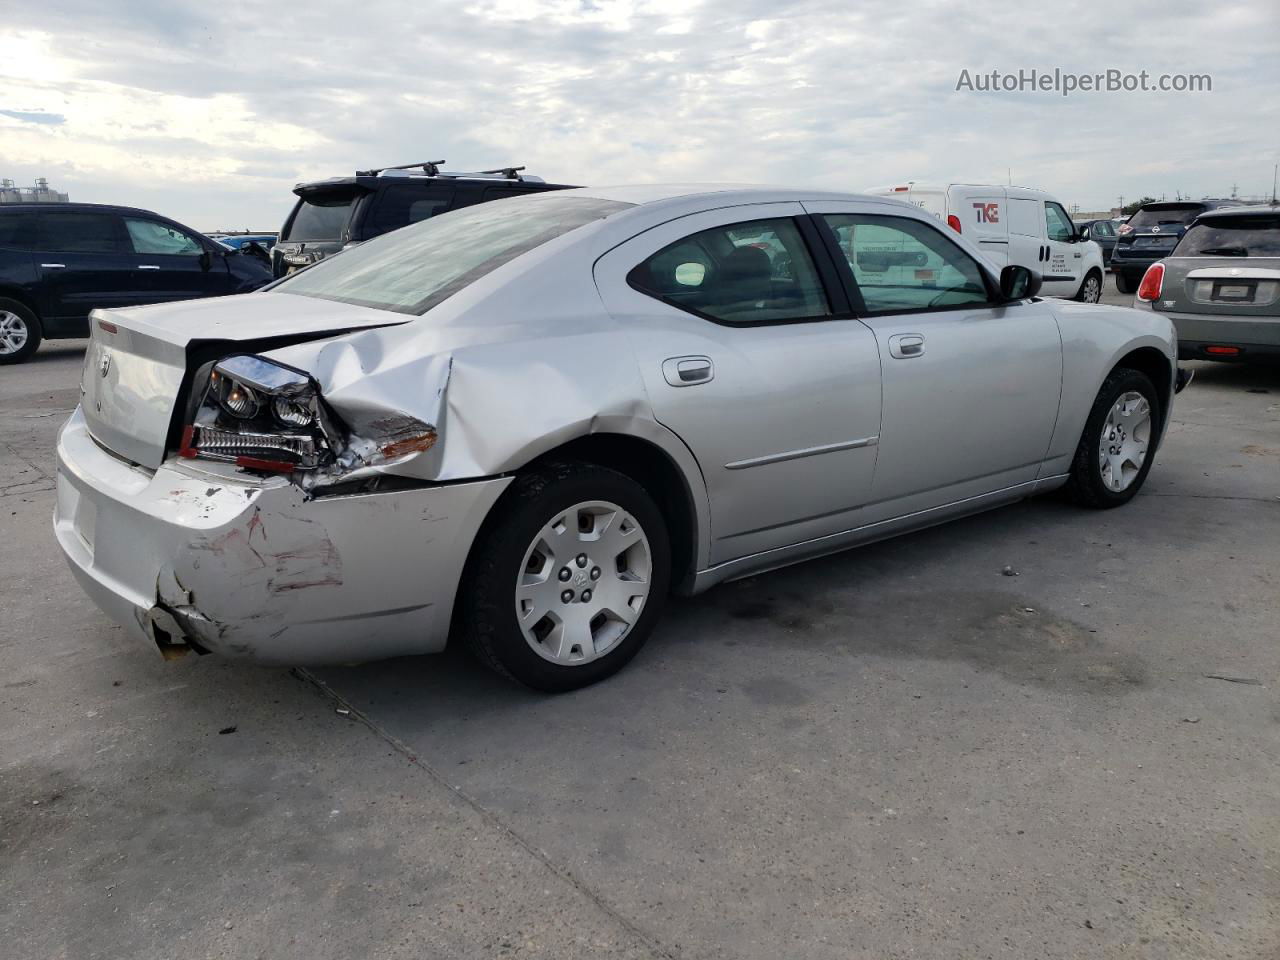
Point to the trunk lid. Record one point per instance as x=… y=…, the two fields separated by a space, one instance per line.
x=1225 y=286
x=137 y=361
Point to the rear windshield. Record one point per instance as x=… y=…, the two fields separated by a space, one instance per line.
x=1232 y=237
x=412 y=269
x=320 y=217
x=1165 y=216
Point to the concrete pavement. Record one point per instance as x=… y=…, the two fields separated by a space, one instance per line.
x=895 y=752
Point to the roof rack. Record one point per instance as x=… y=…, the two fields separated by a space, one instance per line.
x=511 y=173
x=430 y=167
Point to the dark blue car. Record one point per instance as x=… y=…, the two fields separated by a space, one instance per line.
x=59 y=261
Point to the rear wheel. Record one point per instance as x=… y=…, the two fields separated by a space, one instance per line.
x=1091 y=289
x=1118 y=444
x=568 y=578
x=1124 y=284
x=20 y=332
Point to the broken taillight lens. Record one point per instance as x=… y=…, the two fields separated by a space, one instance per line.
x=260 y=415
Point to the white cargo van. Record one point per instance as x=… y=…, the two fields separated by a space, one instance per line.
x=1014 y=225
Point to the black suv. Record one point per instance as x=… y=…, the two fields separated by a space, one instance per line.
x=58 y=261
x=330 y=214
x=1151 y=234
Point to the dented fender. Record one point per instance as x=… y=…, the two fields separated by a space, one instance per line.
x=494 y=403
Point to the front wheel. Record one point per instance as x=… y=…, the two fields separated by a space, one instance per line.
x=567 y=578
x=1118 y=444
x=1091 y=290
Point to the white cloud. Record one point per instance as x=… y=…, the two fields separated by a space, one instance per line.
x=210 y=112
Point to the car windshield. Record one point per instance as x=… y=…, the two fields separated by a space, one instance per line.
x=412 y=269
x=1232 y=237
x=1163 y=216
x=321 y=216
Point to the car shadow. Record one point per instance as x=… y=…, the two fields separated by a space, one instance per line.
x=1253 y=377
x=57 y=350
x=937 y=594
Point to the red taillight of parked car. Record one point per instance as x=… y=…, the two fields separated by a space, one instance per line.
x=1125 y=230
x=1222 y=351
x=1152 y=281
x=954 y=223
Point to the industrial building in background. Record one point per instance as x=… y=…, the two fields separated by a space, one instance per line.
x=40 y=193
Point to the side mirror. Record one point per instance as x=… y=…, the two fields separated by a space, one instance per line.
x=1018 y=282
x=206 y=260
x=1084 y=233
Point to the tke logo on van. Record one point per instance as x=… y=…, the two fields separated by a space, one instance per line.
x=988 y=212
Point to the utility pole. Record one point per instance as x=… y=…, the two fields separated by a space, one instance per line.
x=1274 y=171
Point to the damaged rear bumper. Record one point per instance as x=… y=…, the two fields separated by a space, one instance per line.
x=254 y=568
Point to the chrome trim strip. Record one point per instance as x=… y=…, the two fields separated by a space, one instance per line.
x=798 y=454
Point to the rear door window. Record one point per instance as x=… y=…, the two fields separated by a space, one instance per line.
x=80 y=232
x=17 y=230
x=400 y=206
x=154 y=237
x=754 y=272
x=320 y=216
x=501 y=193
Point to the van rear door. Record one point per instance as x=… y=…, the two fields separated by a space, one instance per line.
x=981 y=213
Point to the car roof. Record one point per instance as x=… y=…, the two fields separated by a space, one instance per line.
x=95 y=207
x=719 y=194
x=374 y=182
x=1252 y=210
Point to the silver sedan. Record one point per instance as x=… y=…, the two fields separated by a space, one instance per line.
x=523 y=424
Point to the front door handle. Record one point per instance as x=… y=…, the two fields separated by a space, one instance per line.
x=54 y=266
x=147 y=266
x=688 y=371
x=905 y=346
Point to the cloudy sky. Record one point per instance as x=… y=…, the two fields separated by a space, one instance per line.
x=209 y=111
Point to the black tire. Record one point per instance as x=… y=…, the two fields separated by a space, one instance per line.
x=486 y=601
x=1124 y=284
x=32 y=324
x=1086 y=486
x=1080 y=294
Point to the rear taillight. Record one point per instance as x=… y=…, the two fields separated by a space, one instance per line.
x=261 y=415
x=1152 y=281
x=1125 y=230
x=1222 y=351
x=954 y=223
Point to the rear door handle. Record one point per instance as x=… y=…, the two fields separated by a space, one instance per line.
x=54 y=266
x=688 y=371
x=905 y=346
x=148 y=266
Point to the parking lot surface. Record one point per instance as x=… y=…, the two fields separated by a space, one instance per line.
x=903 y=751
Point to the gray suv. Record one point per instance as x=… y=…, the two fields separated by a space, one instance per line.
x=1221 y=286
